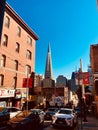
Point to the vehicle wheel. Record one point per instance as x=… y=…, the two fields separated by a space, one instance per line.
x=42 y=125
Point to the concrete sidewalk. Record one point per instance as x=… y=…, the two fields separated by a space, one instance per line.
x=91 y=124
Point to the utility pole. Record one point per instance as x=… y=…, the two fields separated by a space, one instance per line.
x=82 y=77
x=82 y=100
x=81 y=94
x=2 y=8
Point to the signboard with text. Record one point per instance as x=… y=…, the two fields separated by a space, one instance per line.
x=83 y=77
x=7 y=93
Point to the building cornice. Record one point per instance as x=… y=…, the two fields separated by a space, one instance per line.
x=19 y=20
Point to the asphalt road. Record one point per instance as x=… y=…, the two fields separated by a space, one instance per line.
x=48 y=126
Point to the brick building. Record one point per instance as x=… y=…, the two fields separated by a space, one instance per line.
x=94 y=66
x=17 y=57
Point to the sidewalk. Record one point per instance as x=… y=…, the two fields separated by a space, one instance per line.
x=91 y=124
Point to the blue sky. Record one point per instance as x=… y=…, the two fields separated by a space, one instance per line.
x=70 y=26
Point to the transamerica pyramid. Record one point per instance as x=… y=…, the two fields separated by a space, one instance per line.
x=48 y=68
x=48 y=85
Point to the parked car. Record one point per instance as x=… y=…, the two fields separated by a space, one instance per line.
x=13 y=111
x=25 y=120
x=4 y=117
x=50 y=112
x=41 y=114
x=65 y=117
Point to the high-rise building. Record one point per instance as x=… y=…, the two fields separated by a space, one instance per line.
x=48 y=81
x=74 y=82
x=48 y=69
x=61 y=81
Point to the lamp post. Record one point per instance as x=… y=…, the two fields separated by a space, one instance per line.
x=81 y=76
x=78 y=76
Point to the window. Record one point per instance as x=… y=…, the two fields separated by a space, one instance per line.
x=29 y=40
x=7 y=21
x=17 y=47
x=1 y=79
x=14 y=82
x=5 y=40
x=3 y=60
x=28 y=69
x=28 y=54
x=16 y=65
x=19 y=31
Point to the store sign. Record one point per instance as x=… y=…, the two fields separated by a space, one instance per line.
x=7 y=93
x=18 y=93
x=2 y=104
x=24 y=94
x=82 y=78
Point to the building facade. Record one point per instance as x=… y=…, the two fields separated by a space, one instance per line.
x=94 y=66
x=61 y=81
x=17 y=57
x=38 y=84
x=74 y=82
x=61 y=90
x=2 y=7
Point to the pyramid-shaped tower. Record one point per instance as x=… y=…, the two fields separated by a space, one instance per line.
x=48 y=86
x=48 y=69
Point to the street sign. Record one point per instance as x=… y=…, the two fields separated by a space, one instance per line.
x=84 y=76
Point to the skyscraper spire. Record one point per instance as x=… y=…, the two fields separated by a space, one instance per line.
x=49 y=48
x=48 y=69
x=80 y=65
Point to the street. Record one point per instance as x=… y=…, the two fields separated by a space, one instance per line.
x=52 y=128
x=92 y=124
x=48 y=126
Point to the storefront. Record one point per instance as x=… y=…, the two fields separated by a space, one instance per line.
x=17 y=99
x=6 y=97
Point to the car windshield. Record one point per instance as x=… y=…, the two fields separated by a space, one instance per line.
x=52 y=109
x=77 y=109
x=65 y=112
x=23 y=114
x=36 y=110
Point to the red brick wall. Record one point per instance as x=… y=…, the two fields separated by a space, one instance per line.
x=12 y=55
